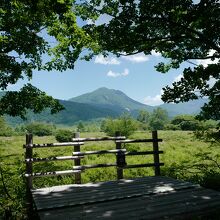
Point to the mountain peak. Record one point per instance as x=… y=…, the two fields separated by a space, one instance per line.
x=110 y=97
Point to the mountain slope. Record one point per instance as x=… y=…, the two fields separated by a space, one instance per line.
x=110 y=98
x=103 y=103
x=191 y=107
x=73 y=113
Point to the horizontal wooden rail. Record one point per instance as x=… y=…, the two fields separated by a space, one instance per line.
x=53 y=173
x=132 y=153
x=47 y=159
x=143 y=165
x=139 y=141
x=83 y=167
x=100 y=139
x=65 y=144
x=98 y=152
x=120 y=153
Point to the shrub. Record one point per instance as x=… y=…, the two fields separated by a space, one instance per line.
x=181 y=118
x=125 y=125
x=189 y=125
x=5 y=130
x=156 y=124
x=172 y=127
x=40 y=129
x=64 y=135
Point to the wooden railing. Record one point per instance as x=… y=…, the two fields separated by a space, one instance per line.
x=77 y=155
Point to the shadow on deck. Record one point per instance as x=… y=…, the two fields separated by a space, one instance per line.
x=143 y=198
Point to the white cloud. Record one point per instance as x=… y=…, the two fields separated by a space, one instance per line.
x=125 y=73
x=155 y=54
x=106 y=60
x=154 y=100
x=178 y=78
x=102 y=19
x=115 y=74
x=207 y=61
x=137 y=58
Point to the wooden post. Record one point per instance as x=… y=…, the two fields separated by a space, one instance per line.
x=156 y=153
x=119 y=169
x=29 y=169
x=29 y=154
x=77 y=161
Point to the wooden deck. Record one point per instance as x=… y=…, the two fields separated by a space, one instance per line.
x=143 y=198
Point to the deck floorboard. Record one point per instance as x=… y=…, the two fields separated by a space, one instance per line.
x=142 y=198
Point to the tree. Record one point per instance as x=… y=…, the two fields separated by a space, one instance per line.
x=180 y=30
x=29 y=31
x=5 y=130
x=143 y=116
x=125 y=124
x=158 y=119
x=80 y=127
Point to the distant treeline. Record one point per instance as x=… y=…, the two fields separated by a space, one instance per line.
x=126 y=124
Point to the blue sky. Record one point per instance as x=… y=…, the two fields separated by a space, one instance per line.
x=134 y=75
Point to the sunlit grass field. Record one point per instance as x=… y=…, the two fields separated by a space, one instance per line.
x=184 y=156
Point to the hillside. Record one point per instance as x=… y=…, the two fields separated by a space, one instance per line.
x=73 y=113
x=103 y=103
x=191 y=107
x=112 y=99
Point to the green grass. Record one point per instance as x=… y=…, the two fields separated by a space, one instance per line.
x=184 y=157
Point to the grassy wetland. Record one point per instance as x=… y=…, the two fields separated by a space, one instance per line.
x=185 y=157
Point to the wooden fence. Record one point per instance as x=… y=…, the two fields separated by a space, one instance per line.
x=77 y=155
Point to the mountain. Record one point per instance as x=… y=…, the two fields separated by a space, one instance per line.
x=103 y=103
x=189 y=108
x=111 y=98
x=73 y=113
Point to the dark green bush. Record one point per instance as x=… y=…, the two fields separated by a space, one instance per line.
x=126 y=125
x=5 y=129
x=172 y=127
x=189 y=125
x=40 y=129
x=64 y=135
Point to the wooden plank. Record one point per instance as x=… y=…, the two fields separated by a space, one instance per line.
x=66 y=144
x=71 y=199
x=89 y=193
x=120 y=160
x=83 y=167
x=139 y=141
x=133 y=153
x=156 y=155
x=29 y=180
x=100 y=139
x=98 y=152
x=29 y=154
x=77 y=162
x=53 y=173
x=143 y=165
x=148 y=182
x=146 y=207
x=47 y=159
x=142 y=208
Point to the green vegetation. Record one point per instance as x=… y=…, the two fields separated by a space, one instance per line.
x=5 y=129
x=178 y=30
x=109 y=103
x=39 y=129
x=64 y=135
x=126 y=125
x=109 y=98
x=184 y=156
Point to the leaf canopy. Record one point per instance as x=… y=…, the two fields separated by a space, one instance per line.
x=180 y=30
